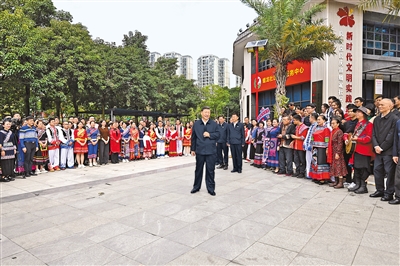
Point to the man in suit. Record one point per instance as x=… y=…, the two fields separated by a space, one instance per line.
x=222 y=148
x=235 y=140
x=204 y=146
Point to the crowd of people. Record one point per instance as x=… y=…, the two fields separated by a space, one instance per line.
x=338 y=147
x=30 y=147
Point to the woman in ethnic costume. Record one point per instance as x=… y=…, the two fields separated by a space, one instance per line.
x=115 y=143
x=147 y=152
x=80 y=145
x=273 y=153
x=125 y=146
x=8 y=148
x=104 y=145
x=20 y=156
x=93 y=140
x=41 y=156
x=320 y=171
x=266 y=143
x=336 y=159
x=153 y=138
x=173 y=145
x=134 y=143
x=259 y=143
x=187 y=139
x=253 y=135
x=141 y=144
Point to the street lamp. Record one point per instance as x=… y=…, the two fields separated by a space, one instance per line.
x=255 y=47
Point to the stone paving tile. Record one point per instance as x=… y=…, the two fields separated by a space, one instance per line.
x=303 y=259
x=380 y=241
x=356 y=220
x=159 y=252
x=337 y=251
x=212 y=206
x=129 y=241
x=269 y=217
x=286 y=239
x=163 y=226
x=198 y=257
x=226 y=245
x=370 y=256
x=102 y=207
x=248 y=229
x=103 y=232
x=217 y=222
x=262 y=254
x=191 y=215
x=84 y=224
x=60 y=248
x=8 y=247
x=140 y=219
x=41 y=237
x=386 y=212
x=93 y=255
x=192 y=235
x=81 y=204
x=12 y=219
x=25 y=228
x=22 y=258
x=336 y=231
x=54 y=210
x=240 y=210
x=123 y=260
x=67 y=217
x=383 y=226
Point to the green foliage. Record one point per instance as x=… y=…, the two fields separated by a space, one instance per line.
x=392 y=7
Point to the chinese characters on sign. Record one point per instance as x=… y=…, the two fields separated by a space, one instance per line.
x=345 y=86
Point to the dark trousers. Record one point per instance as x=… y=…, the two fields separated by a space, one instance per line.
x=300 y=161
x=222 y=154
x=397 y=181
x=28 y=156
x=104 y=150
x=349 y=168
x=114 y=157
x=244 y=150
x=236 y=151
x=286 y=160
x=384 y=167
x=209 y=160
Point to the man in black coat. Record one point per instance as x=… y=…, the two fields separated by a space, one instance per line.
x=222 y=148
x=204 y=146
x=285 y=149
x=235 y=140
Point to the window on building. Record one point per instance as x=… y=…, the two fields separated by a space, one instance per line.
x=381 y=40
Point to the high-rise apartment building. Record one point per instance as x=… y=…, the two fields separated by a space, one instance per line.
x=178 y=57
x=238 y=81
x=224 y=78
x=207 y=70
x=153 y=58
x=187 y=66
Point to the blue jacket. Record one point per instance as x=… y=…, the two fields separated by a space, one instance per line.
x=223 y=132
x=202 y=145
x=235 y=134
x=396 y=142
x=28 y=134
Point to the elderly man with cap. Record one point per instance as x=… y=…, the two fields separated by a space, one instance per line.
x=362 y=136
x=29 y=142
x=382 y=141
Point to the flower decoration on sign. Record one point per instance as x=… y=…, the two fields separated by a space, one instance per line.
x=257 y=83
x=346 y=17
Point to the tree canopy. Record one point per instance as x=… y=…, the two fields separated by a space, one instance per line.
x=392 y=6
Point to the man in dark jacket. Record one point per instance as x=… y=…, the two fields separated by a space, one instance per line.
x=204 y=146
x=285 y=149
x=235 y=139
x=382 y=142
x=222 y=148
x=396 y=155
x=349 y=127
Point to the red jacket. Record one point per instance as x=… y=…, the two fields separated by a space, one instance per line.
x=301 y=131
x=364 y=141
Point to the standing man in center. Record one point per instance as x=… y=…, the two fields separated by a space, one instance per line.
x=204 y=146
x=235 y=140
x=222 y=148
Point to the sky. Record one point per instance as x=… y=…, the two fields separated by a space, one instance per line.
x=188 y=27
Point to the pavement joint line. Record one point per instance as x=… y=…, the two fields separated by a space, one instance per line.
x=89 y=183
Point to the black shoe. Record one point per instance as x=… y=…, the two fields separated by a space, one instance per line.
x=234 y=171
x=361 y=190
x=225 y=167
x=10 y=178
x=239 y=171
x=4 y=179
x=300 y=176
x=280 y=173
x=377 y=194
x=220 y=166
x=387 y=198
x=32 y=173
x=295 y=174
x=25 y=176
x=194 y=191
x=395 y=201
x=212 y=193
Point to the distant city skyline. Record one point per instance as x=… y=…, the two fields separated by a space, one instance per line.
x=192 y=28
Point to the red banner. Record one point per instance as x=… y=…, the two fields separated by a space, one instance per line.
x=298 y=72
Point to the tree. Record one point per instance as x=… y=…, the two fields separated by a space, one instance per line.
x=292 y=35
x=392 y=6
x=216 y=97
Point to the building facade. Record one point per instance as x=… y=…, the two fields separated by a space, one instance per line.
x=224 y=77
x=207 y=70
x=153 y=58
x=187 y=66
x=178 y=57
x=366 y=64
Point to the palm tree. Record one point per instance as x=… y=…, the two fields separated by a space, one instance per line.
x=392 y=6
x=292 y=35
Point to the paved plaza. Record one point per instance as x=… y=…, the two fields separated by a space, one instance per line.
x=143 y=213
